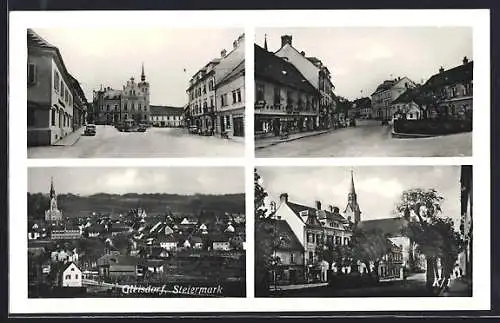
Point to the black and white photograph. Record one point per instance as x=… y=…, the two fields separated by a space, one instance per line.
x=136 y=232
x=157 y=92
x=363 y=92
x=369 y=231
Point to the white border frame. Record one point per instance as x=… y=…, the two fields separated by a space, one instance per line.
x=479 y=20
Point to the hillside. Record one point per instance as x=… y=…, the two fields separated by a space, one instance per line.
x=75 y=205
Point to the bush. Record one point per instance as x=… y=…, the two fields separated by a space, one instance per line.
x=432 y=127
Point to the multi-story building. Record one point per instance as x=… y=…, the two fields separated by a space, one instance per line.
x=66 y=234
x=166 y=116
x=448 y=94
x=131 y=103
x=317 y=74
x=361 y=108
x=201 y=97
x=285 y=101
x=79 y=104
x=386 y=93
x=49 y=93
x=230 y=91
x=53 y=213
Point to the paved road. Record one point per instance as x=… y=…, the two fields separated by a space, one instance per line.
x=155 y=142
x=371 y=141
x=413 y=287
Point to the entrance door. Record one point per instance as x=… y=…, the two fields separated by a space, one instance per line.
x=222 y=125
x=239 y=129
x=293 y=276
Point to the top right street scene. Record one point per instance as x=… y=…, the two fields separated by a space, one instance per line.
x=363 y=92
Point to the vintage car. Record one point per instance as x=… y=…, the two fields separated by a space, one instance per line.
x=120 y=126
x=193 y=129
x=142 y=127
x=90 y=130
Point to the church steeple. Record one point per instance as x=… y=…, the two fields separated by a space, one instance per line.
x=352 y=209
x=265 y=42
x=52 y=190
x=143 y=76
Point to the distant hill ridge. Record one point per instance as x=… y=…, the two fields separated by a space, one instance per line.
x=154 y=203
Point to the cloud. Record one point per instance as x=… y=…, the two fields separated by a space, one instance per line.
x=387 y=188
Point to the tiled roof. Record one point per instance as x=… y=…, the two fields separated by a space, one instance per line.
x=35 y=40
x=271 y=67
x=387 y=84
x=229 y=63
x=297 y=208
x=164 y=110
x=410 y=95
x=461 y=73
x=387 y=226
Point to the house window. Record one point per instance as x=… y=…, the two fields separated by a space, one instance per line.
x=107 y=107
x=259 y=92
x=31 y=74
x=56 y=81
x=62 y=89
x=234 y=97
x=238 y=94
x=67 y=277
x=53 y=117
x=76 y=276
x=311 y=256
x=125 y=106
x=211 y=101
x=228 y=121
x=346 y=241
x=292 y=258
x=222 y=100
x=116 y=107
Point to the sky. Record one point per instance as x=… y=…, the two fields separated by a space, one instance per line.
x=110 y=57
x=378 y=188
x=360 y=58
x=121 y=180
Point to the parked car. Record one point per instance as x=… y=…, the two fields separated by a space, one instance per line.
x=193 y=129
x=90 y=130
x=120 y=126
x=142 y=128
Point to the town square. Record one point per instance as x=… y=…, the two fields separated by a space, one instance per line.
x=369 y=97
x=168 y=100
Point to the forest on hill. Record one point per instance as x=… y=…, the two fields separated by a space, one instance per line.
x=75 y=205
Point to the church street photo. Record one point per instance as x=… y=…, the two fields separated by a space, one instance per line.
x=368 y=231
x=364 y=92
x=136 y=232
x=104 y=93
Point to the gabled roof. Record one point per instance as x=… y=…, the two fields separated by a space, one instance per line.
x=237 y=70
x=387 y=226
x=297 y=208
x=290 y=242
x=408 y=96
x=386 y=85
x=163 y=110
x=271 y=67
x=168 y=238
x=458 y=74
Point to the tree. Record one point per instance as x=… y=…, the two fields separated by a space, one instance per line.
x=434 y=235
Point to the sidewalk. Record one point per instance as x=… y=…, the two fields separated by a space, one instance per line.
x=458 y=287
x=297 y=286
x=271 y=141
x=70 y=139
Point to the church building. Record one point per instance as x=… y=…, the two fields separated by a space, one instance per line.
x=53 y=213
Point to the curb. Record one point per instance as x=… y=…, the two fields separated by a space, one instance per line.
x=292 y=139
x=418 y=135
x=74 y=142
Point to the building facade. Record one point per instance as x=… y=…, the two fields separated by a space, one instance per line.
x=49 y=93
x=72 y=276
x=166 y=116
x=201 y=97
x=53 y=213
x=79 y=104
x=448 y=94
x=285 y=101
x=386 y=93
x=231 y=103
x=111 y=106
x=318 y=75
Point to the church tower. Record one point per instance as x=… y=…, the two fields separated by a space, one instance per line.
x=352 y=209
x=53 y=213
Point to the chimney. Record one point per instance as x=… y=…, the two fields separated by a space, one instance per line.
x=223 y=53
x=330 y=208
x=465 y=60
x=284 y=198
x=441 y=69
x=318 y=205
x=286 y=39
x=303 y=53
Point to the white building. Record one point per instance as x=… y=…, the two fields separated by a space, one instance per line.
x=72 y=276
x=221 y=245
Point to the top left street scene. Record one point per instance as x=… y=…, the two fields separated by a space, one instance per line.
x=135 y=93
